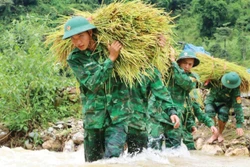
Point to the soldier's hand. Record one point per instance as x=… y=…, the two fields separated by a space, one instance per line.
x=172 y=54
x=161 y=41
x=239 y=131
x=194 y=130
x=90 y=19
x=175 y=119
x=114 y=50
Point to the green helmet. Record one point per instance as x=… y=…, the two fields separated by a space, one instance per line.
x=188 y=54
x=76 y=25
x=231 y=80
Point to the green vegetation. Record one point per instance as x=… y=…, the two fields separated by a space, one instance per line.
x=30 y=81
x=220 y=26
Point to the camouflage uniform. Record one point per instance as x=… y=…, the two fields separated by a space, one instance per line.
x=179 y=86
x=138 y=133
x=219 y=101
x=194 y=109
x=120 y=109
x=105 y=128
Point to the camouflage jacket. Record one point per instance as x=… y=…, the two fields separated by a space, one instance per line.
x=92 y=73
x=120 y=106
x=140 y=100
x=193 y=108
x=230 y=97
x=179 y=85
x=105 y=99
x=201 y=115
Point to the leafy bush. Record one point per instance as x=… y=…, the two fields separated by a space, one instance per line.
x=29 y=79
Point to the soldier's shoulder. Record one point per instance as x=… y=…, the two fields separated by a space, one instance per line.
x=74 y=54
x=195 y=75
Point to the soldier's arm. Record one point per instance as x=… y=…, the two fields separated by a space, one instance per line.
x=201 y=116
x=189 y=120
x=91 y=74
x=162 y=96
x=238 y=108
x=182 y=79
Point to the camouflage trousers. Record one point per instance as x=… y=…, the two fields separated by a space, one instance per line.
x=104 y=143
x=173 y=137
x=188 y=140
x=136 y=140
x=222 y=110
x=156 y=134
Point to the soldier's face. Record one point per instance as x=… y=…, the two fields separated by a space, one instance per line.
x=186 y=64
x=82 y=40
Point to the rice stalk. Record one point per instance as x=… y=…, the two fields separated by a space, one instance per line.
x=213 y=69
x=137 y=26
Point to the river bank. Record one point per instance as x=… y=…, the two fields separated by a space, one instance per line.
x=67 y=136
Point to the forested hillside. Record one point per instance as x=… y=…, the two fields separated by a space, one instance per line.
x=221 y=26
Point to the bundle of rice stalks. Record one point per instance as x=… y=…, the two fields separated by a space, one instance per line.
x=137 y=26
x=198 y=96
x=213 y=69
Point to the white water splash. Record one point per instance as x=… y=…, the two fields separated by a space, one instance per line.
x=19 y=157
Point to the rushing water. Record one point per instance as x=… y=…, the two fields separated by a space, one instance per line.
x=19 y=157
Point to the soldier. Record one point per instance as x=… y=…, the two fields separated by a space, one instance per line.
x=180 y=84
x=194 y=108
x=105 y=127
x=138 y=132
x=139 y=124
x=219 y=101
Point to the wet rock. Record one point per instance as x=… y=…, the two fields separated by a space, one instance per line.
x=54 y=145
x=33 y=135
x=246 y=111
x=59 y=126
x=28 y=145
x=199 y=143
x=50 y=130
x=247 y=122
x=212 y=149
x=3 y=136
x=78 y=138
x=237 y=151
x=47 y=145
x=245 y=102
x=69 y=146
x=4 y=133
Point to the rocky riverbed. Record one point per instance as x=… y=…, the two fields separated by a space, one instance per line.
x=67 y=136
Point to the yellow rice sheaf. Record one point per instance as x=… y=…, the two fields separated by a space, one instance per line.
x=137 y=26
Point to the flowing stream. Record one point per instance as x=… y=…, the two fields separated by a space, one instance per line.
x=19 y=157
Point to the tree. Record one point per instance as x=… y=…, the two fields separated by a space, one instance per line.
x=223 y=33
x=213 y=14
x=25 y=2
x=5 y=5
x=242 y=43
